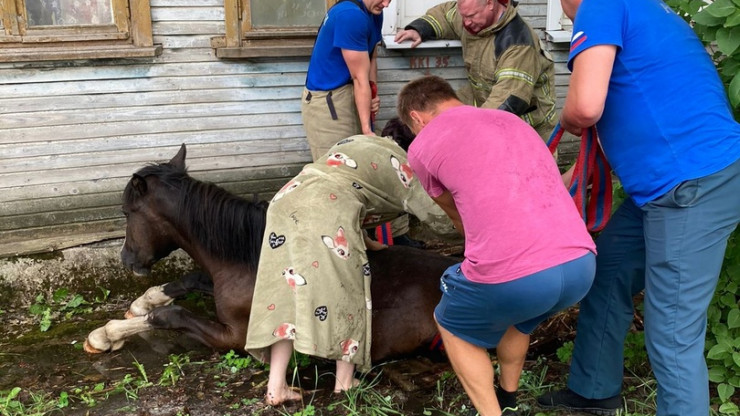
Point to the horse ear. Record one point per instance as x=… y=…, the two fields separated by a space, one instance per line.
x=179 y=160
x=139 y=184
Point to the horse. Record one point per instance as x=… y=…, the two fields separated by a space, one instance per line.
x=166 y=209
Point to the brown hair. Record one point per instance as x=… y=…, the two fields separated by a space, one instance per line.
x=399 y=132
x=423 y=94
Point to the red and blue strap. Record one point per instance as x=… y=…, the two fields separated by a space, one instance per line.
x=591 y=169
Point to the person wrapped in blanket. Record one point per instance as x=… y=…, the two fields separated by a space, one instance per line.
x=312 y=292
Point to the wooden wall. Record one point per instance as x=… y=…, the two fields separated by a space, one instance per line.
x=72 y=133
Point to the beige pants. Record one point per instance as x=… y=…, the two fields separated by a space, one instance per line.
x=323 y=130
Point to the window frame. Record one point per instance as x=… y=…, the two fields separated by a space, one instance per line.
x=240 y=40
x=555 y=29
x=129 y=36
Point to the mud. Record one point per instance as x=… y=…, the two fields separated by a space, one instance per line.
x=57 y=377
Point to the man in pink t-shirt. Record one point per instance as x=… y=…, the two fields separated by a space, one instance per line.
x=528 y=253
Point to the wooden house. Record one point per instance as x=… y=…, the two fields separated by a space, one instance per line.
x=92 y=91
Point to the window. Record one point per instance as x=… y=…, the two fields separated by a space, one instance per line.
x=558 y=27
x=402 y=12
x=278 y=28
x=270 y=28
x=33 y=30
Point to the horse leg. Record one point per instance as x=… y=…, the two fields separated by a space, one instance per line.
x=165 y=294
x=217 y=335
x=112 y=335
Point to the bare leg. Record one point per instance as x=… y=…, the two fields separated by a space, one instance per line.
x=278 y=390
x=511 y=353
x=345 y=377
x=472 y=365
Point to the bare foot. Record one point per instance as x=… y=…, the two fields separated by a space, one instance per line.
x=282 y=395
x=339 y=387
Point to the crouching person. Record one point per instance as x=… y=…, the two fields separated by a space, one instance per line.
x=528 y=253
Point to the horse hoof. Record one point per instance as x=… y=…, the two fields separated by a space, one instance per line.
x=90 y=349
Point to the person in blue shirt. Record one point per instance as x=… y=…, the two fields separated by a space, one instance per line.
x=338 y=100
x=641 y=75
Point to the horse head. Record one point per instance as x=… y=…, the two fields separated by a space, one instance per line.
x=167 y=209
x=149 y=205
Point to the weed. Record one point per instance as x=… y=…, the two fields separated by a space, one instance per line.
x=565 y=352
x=234 y=363
x=173 y=369
x=62 y=303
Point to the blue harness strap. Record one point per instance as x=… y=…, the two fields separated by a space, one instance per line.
x=591 y=169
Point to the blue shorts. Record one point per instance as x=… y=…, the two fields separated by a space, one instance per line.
x=480 y=313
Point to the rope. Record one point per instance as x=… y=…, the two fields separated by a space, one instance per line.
x=591 y=169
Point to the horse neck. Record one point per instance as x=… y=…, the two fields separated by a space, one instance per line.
x=226 y=234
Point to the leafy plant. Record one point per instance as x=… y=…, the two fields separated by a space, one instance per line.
x=64 y=304
x=565 y=352
x=173 y=369
x=233 y=362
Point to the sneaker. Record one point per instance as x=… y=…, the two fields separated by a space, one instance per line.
x=570 y=400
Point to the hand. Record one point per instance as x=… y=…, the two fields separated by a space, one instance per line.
x=408 y=34
x=375 y=105
x=371 y=244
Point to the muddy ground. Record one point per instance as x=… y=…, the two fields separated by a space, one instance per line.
x=164 y=373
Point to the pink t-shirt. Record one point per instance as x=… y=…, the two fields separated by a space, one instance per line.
x=518 y=216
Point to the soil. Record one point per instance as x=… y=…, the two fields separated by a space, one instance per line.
x=46 y=365
x=164 y=373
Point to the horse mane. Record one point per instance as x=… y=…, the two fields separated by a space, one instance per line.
x=229 y=227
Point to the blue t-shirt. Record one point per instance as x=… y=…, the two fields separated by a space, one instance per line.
x=666 y=117
x=347 y=25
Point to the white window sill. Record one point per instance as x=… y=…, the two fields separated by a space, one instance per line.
x=389 y=43
x=558 y=36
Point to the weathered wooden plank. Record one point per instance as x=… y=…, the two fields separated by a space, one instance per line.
x=185 y=3
x=179 y=28
x=104 y=129
x=28 y=165
x=171 y=83
x=80 y=174
x=136 y=142
x=145 y=114
x=146 y=98
x=180 y=55
x=17 y=196
x=123 y=72
x=96 y=207
x=66 y=217
x=100 y=160
x=29 y=241
x=161 y=14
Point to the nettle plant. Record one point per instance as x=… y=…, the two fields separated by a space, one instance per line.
x=717 y=23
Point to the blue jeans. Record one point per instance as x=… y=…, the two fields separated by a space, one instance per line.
x=673 y=248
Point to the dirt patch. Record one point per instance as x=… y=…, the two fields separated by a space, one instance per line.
x=164 y=373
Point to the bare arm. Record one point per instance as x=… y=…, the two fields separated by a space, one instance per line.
x=447 y=203
x=359 y=66
x=589 y=84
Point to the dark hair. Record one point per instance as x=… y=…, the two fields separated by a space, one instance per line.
x=423 y=94
x=399 y=132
